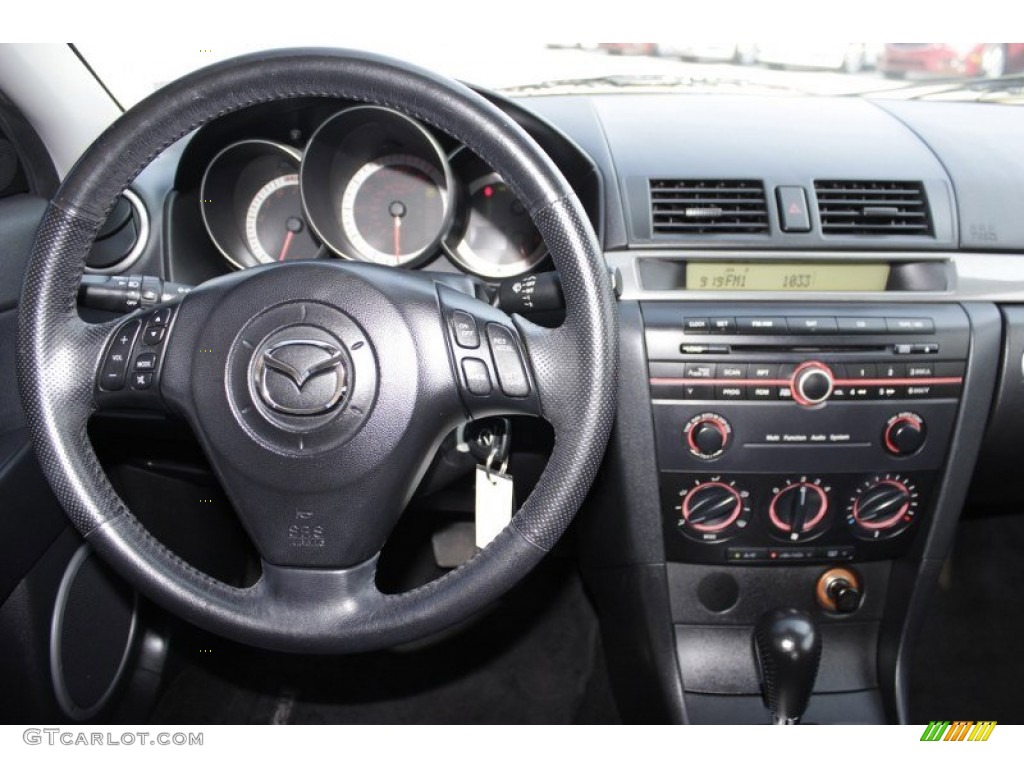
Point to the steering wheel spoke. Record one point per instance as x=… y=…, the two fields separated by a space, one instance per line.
x=132 y=359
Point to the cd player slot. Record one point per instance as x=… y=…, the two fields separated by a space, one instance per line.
x=809 y=349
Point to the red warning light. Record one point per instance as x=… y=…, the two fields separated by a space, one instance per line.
x=488 y=191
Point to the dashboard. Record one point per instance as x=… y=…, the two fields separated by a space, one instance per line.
x=819 y=339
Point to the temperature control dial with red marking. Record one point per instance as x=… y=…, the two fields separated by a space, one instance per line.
x=812 y=383
x=798 y=510
x=882 y=507
x=713 y=509
x=707 y=435
x=904 y=434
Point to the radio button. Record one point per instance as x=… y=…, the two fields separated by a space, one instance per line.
x=699 y=371
x=698 y=392
x=910 y=325
x=761 y=325
x=723 y=325
x=920 y=370
x=696 y=325
x=861 y=324
x=762 y=392
x=758 y=371
x=925 y=349
x=861 y=371
x=892 y=371
x=732 y=371
x=809 y=325
x=730 y=392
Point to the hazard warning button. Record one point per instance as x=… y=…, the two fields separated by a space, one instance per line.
x=793 y=209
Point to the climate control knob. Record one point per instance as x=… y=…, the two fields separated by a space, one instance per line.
x=904 y=434
x=707 y=435
x=882 y=507
x=798 y=509
x=712 y=509
x=812 y=383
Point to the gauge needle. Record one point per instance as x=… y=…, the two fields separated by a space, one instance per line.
x=286 y=245
x=398 y=236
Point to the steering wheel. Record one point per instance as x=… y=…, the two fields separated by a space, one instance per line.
x=318 y=390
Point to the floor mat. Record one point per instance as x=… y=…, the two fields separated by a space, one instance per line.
x=529 y=660
x=968 y=662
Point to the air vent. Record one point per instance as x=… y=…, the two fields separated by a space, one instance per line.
x=687 y=207
x=873 y=208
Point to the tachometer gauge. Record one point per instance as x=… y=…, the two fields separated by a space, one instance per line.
x=251 y=204
x=377 y=187
x=275 y=229
x=393 y=209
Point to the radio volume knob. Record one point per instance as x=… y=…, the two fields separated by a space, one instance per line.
x=707 y=435
x=812 y=383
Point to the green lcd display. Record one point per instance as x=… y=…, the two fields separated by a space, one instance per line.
x=792 y=276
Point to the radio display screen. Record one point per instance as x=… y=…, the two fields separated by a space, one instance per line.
x=778 y=276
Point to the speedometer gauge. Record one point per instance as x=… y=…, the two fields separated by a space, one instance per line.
x=376 y=186
x=393 y=209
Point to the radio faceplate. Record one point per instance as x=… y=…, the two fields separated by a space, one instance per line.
x=810 y=434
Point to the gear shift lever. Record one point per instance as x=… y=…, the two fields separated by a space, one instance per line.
x=787 y=649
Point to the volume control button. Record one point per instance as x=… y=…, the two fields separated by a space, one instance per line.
x=812 y=383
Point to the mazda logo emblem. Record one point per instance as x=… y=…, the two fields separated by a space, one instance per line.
x=300 y=377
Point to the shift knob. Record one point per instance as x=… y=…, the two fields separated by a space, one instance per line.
x=787 y=649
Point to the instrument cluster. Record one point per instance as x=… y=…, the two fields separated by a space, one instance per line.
x=370 y=185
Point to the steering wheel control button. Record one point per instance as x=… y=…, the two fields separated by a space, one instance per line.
x=141 y=380
x=153 y=334
x=713 y=509
x=464 y=327
x=160 y=317
x=793 y=209
x=476 y=376
x=508 y=363
x=797 y=510
x=115 y=362
x=904 y=434
x=707 y=435
x=146 y=362
x=812 y=383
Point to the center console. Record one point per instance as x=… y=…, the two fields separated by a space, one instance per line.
x=782 y=455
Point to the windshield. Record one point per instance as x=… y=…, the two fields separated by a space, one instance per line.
x=973 y=71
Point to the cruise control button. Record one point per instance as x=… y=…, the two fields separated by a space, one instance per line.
x=466 y=334
x=142 y=380
x=478 y=380
x=507 y=362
